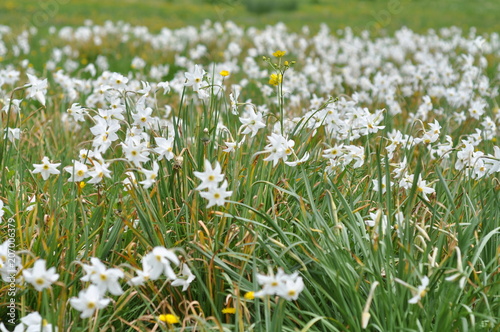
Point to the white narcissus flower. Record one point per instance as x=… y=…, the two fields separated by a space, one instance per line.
x=104 y=279
x=13 y=134
x=39 y=276
x=195 y=78
x=150 y=175
x=210 y=177
x=46 y=168
x=31 y=323
x=216 y=196
x=251 y=123
x=421 y=291
x=88 y=301
x=287 y=286
x=142 y=275
x=37 y=88
x=291 y=288
x=278 y=148
x=423 y=189
x=159 y=260
x=165 y=148
x=78 y=172
x=185 y=278
x=99 y=172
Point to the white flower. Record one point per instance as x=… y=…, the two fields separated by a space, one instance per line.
x=13 y=134
x=421 y=291
x=165 y=148
x=99 y=172
x=195 y=78
x=383 y=183
x=210 y=177
x=77 y=172
x=104 y=279
x=252 y=122
x=142 y=275
x=46 y=168
x=216 y=196
x=423 y=189
x=290 y=288
x=33 y=323
x=39 y=276
x=287 y=286
x=159 y=260
x=278 y=148
x=88 y=301
x=8 y=264
x=150 y=176
x=185 y=279
x=135 y=153
x=37 y=88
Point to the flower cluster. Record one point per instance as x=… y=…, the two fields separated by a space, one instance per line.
x=210 y=180
x=287 y=286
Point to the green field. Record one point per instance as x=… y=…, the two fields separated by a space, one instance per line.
x=155 y=14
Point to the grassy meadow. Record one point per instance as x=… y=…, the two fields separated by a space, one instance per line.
x=245 y=175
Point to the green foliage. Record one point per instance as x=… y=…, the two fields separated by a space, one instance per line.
x=266 y=6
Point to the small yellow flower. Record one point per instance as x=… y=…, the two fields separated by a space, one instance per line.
x=224 y=73
x=82 y=185
x=275 y=79
x=279 y=53
x=249 y=296
x=231 y=311
x=169 y=318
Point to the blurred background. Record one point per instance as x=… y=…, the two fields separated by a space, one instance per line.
x=376 y=15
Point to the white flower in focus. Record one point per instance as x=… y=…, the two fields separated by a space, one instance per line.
x=99 y=172
x=210 y=177
x=252 y=122
x=78 y=172
x=195 y=78
x=165 y=148
x=216 y=196
x=37 y=88
x=278 y=148
x=46 y=168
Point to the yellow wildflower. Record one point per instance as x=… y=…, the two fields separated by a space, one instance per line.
x=275 y=79
x=224 y=73
x=169 y=318
x=249 y=296
x=279 y=53
x=231 y=311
